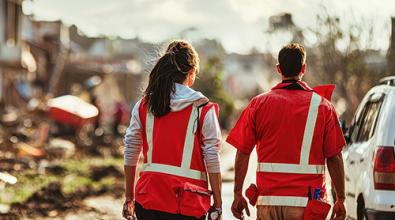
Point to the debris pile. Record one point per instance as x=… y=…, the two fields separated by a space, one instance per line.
x=36 y=143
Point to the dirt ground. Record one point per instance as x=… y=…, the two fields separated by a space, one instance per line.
x=100 y=208
x=94 y=198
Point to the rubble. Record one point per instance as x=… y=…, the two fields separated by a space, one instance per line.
x=12 y=164
x=40 y=130
x=60 y=148
x=4 y=209
x=9 y=118
x=9 y=216
x=55 y=169
x=25 y=149
x=29 y=145
x=7 y=178
x=101 y=172
x=72 y=110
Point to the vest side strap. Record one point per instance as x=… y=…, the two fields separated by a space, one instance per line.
x=291 y=168
x=282 y=201
x=174 y=170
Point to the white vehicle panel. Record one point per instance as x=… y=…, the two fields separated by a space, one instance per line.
x=358 y=156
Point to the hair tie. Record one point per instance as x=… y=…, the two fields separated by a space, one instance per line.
x=173 y=61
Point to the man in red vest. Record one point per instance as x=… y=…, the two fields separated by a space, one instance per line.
x=295 y=129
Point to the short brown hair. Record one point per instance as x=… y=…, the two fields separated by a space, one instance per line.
x=291 y=58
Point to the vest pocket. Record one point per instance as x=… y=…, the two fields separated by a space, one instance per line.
x=143 y=192
x=142 y=186
x=316 y=210
x=194 y=200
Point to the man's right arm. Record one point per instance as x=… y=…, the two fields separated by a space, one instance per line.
x=336 y=171
x=241 y=168
x=243 y=138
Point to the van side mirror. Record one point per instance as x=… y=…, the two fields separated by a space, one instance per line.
x=343 y=125
x=345 y=130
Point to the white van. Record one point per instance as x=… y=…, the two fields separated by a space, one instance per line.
x=370 y=155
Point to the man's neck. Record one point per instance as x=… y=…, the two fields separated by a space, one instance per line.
x=296 y=78
x=289 y=79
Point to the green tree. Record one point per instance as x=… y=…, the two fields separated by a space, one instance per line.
x=210 y=83
x=346 y=67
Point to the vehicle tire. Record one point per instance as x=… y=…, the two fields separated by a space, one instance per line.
x=361 y=211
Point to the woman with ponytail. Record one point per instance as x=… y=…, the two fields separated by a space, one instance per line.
x=176 y=128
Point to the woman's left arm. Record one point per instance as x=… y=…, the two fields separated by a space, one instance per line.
x=212 y=138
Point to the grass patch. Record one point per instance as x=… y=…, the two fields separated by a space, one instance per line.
x=74 y=166
x=118 y=162
x=105 y=182
x=28 y=183
x=72 y=183
x=76 y=177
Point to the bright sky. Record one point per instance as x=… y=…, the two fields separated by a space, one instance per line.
x=239 y=24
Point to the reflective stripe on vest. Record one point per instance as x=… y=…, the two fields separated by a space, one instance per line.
x=294 y=201
x=303 y=167
x=184 y=170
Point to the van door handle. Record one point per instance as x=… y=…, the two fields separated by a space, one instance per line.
x=361 y=160
x=352 y=162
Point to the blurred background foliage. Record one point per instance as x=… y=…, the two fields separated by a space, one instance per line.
x=210 y=84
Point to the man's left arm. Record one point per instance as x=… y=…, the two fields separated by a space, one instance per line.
x=241 y=168
x=336 y=171
x=333 y=145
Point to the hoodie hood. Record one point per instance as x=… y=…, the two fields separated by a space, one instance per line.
x=185 y=96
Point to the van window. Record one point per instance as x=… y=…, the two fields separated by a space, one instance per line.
x=369 y=120
x=355 y=125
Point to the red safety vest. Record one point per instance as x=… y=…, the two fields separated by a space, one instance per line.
x=174 y=178
x=307 y=171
